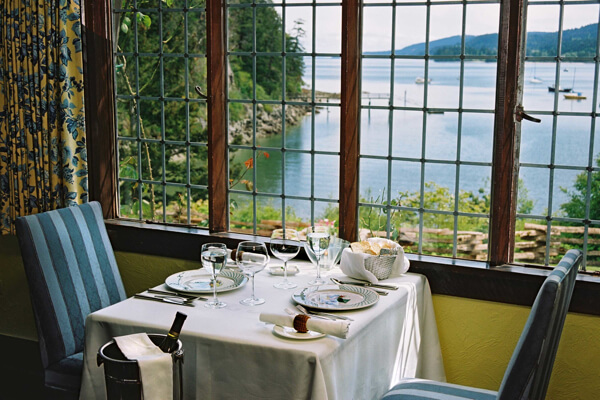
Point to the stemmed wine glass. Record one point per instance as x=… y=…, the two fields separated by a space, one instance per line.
x=214 y=258
x=285 y=245
x=318 y=240
x=251 y=257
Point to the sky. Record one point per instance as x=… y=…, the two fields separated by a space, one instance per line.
x=445 y=21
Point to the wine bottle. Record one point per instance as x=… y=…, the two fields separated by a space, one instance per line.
x=169 y=343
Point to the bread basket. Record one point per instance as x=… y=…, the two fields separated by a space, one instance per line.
x=380 y=266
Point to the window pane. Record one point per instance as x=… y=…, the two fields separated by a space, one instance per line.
x=284 y=155
x=160 y=169
x=559 y=156
x=427 y=121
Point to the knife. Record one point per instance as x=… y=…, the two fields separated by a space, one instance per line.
x=182 y=295
x=163 y=300
x=367 y=284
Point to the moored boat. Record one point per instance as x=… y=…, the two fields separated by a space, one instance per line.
x=575 y=96
x=551 y=88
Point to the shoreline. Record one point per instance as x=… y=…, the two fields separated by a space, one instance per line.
x=269 y=119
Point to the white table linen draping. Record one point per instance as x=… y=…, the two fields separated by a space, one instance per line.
x=230 y=354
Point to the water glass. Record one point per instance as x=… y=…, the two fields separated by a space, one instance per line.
x=333 y=254
x=285 y=245
x=251 y=258
x=214 y=258
x=318 y=239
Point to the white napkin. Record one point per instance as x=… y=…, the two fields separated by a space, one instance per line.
x=334 y=328
x=353 y=264
x=156 y=367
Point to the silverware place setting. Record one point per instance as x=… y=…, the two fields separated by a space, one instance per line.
x=164 y=300
x=180 y=295
x=169 y=297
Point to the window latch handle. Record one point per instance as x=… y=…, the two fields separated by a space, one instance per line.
x=521 y=115
x=199 y=91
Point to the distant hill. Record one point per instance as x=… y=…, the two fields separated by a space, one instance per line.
x=578 y=42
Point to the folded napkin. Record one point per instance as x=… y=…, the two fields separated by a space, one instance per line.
x=334 y=328
x=353 y=264
x=156 y=367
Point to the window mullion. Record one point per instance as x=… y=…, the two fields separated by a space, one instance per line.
x=100 y=106
x=506 y=133
x=349 y=124
x=217 y=123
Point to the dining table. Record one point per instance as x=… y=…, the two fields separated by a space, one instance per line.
x=230 y=354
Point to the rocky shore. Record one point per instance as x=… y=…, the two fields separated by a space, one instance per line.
x=269 y=118
x=269 y=121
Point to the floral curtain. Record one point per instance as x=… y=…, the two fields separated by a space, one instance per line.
x=43 y=161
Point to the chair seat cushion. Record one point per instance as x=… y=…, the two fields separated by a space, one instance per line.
x=66 y=374
x=419 y=389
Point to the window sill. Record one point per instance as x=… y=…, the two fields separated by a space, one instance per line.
x=510 y=284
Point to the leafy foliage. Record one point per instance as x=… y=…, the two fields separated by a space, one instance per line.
x=144 y=107
x=269 y=39
x=575 y=207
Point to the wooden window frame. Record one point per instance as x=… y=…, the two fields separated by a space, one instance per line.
x=101 y=133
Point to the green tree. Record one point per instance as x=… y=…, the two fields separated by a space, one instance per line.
x=575 y=207
x=441 y=198
x=269 y=39
x=139 y=78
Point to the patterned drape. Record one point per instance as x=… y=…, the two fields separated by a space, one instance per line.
x=43 y=161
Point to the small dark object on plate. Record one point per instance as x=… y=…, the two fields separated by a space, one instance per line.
x=341 y=299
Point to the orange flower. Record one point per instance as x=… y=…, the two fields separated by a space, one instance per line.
x=266 y=154
x=249 y=163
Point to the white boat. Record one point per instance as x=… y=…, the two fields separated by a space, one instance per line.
x=421 y=80
x=535 y=79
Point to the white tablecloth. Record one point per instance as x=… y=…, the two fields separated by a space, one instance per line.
x=230 y=354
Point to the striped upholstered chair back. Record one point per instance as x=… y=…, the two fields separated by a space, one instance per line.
x=72 y=272
x=529 y=369
x=528 y=372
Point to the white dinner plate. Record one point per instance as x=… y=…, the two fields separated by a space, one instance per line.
x=278 y=270
x=291 y=333
x=336 y=297
x=198 y=281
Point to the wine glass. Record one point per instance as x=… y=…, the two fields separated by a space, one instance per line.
x=318 y=240
x=285 y=245
x=214 y=258
x=251 y=257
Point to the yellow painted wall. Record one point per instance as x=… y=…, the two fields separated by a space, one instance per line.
x=16 y=316
x=477 y=337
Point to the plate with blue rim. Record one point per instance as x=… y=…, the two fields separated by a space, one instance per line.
x=336 y=297
x=199 y=281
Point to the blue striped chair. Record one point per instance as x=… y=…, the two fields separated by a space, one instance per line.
x=529 y=369
x=72 y=271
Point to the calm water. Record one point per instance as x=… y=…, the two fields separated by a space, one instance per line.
x=441 y=140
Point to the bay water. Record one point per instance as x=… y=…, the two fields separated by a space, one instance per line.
x=441 y=141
